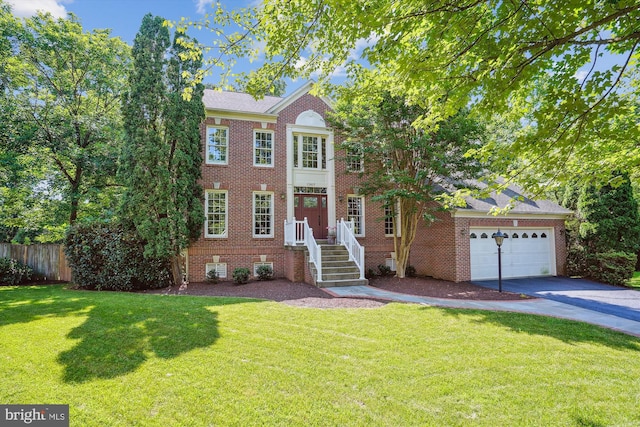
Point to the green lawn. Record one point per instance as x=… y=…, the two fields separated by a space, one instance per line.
x=133 y=359
x=635 y=280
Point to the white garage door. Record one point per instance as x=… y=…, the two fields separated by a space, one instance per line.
x=525 y=253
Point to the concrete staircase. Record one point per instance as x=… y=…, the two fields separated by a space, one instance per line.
x=337 y=269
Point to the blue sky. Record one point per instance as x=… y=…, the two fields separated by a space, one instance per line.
x=123 y=17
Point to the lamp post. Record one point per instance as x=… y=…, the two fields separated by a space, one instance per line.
x=499 y=238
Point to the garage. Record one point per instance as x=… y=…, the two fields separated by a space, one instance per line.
x=525 y=253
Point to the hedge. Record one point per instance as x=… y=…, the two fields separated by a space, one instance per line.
x=110 y=257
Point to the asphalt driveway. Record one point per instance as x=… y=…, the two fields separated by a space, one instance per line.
x=613 y=300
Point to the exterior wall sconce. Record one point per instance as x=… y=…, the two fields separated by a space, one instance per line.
x=340 y=198
x=283 y=196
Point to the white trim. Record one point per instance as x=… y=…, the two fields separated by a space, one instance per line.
x=253 y=215
x=253 y=148
x=362 y=214
x=397 y=221
x=238 y=115
x=226 y=214
x=260 y=264
x=324 y=178
x=297 y=94
x=206 y=146
x=462 y=213
x=551 y=236
x=220 y=267
x=310 y=118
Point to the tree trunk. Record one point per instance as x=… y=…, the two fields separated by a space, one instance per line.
x=409 y=217
x=176 y=270
x=75 y=197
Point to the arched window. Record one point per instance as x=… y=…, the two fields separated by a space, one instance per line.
x=515 y=235
x=534 y=236
x=543 y=236
x=525 y=236
x=473 y=236
x=484 y=236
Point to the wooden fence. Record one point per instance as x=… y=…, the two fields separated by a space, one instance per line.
x=47 y=260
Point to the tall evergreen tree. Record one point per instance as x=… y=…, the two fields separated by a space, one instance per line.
x=608 y=217
x=160 y=162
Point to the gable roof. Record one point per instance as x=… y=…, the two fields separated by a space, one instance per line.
x=523 y=204
x=238 y=102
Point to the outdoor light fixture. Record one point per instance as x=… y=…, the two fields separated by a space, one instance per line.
x=499 y=238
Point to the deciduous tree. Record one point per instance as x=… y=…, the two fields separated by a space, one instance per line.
x=406 y=168
x=62 y=89
x=544 y=64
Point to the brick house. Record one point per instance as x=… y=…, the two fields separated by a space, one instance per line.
x=275 y=189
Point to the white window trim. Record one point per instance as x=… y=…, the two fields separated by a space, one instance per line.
x=350 y=156
x=226 y=216
x=362 y=215
x=219 y=267
x=323 y=150
x=398 y=218
x=273 y=154
x=253 y=216
x=207 y=161
x=260 y=264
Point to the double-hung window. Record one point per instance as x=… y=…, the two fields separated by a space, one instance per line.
x=389 y=216
x=309 y=151
x=216 y=212
x=355 y=213
x=262 y=148
x=262 y=214
x=217 y=145
x=355 y=160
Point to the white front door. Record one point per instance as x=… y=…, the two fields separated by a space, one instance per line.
x=525 y=253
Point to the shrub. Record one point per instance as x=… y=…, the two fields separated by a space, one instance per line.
x=370 y=273
x=212 y=276
x=14 y=272
x=110 y=257
x=265 y=272
x=614 y=268
x=410 y=271
x=384 y=270
x=577 y=261
x=240 y=275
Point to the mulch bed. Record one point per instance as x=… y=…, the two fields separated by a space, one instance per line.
x=305 y=295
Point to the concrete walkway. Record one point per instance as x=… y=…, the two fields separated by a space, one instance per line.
x=540 y=306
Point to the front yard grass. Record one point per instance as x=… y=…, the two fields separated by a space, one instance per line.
x=635 y=280
x=135 y=359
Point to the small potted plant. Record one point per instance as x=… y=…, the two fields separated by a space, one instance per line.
x=331 y=235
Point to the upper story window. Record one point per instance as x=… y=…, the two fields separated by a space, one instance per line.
x=216 y=213
x=309 y=152
x=217 y=145
x=355 y=160
x=262 y=148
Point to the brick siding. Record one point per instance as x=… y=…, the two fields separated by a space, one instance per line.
x=440 y=250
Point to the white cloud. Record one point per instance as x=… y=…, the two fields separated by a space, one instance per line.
x=202 y=6
x=27 y=8
x=580 y=75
